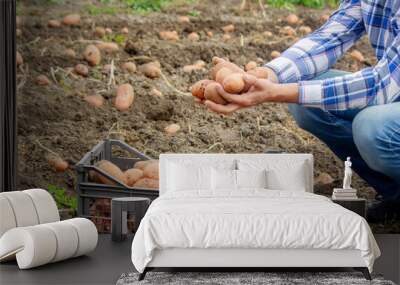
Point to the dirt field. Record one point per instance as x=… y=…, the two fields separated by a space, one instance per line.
x=57 y=117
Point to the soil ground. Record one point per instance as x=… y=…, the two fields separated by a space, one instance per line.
x=56 y=117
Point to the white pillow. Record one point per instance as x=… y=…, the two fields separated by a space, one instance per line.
x=184 y=177
x=251 y=178
x=281 y=175
x=223 y=179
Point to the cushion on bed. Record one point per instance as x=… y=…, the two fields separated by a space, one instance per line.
x=251 y=178
x=281 y=175
x=188 y=177
x=223 y=179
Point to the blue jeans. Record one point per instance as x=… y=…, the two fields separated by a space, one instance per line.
x=370 y=136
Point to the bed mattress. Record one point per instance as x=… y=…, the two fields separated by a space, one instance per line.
x=250 y=219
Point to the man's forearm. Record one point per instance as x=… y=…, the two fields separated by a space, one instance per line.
x=284 y=93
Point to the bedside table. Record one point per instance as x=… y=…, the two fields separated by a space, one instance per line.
x=358 y=206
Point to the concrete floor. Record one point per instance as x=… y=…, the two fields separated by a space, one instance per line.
x=103 y=266
x=111 y=259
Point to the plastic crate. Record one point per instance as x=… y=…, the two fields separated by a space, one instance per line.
x=90 y=191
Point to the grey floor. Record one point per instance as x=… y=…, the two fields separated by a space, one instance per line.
x=111 y=259
x=103 y=266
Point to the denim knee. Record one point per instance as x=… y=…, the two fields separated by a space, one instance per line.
x=374 y=132
x=300 y=115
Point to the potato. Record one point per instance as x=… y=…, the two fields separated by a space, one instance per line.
x=220 y=64
x=169 y=35
x=234 y=83
x=222 y=74
x=194 y=37
x=288 y=31
x=125 y=30
x=142 y=163
x=292 y=19
x=108 y=47
x=70 y=53
x=259 y=72
x=190 y=68
x=357 y=56
x=54 y=24
x=250 y=65
x=129 y=67
x=81 y=69
x=267 y=34
x=197 y=89
x=95 y=100
x=305 y=30
x=72 y=20
x=199 y=63
x=108 y=31
x=112 y=170
x=228 y=28
x=183 y=19
x=42 y=80
x=325 y=17
x=152 y=170
x=226 y=37
x=210 y=34
x=147 y=183
x=132 y=175
x=211 y=93
x=172 y=129
x=125 y=97
x=100 y=32
x=156 y=93
x=57 y=162
x=92 y=55
x=19 y=59
x=275 y=54
x=151 y=69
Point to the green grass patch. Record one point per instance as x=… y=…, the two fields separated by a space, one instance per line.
x=146 y=5
x=104 y=10
x=290 y=4
x=117 y=38
x=63 y=200
x=194 y=13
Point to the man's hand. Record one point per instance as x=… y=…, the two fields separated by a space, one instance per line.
x=262 y=90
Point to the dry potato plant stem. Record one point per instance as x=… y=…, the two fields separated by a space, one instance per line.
x=111 y=81
x=212 y=146
x=46 y=149
x=173 y=87
x=262 y=8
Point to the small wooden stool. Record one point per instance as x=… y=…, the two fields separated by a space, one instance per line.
x=120 y=207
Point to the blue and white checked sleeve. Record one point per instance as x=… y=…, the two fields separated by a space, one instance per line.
x=317 y=52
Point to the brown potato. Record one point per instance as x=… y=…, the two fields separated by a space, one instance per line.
x=357 y=56
x=194 y=37
x=183 y=19
x=325 y=17
x=305 y=30
x=169 y=35
x=288 y=31
x=125 y=97
x=72 y=20
x=42 y=80
x=92 y=55
x=132 y=175
x=267 y=34
x=95 y=100
x=292 y=19
x=81 y=69
x=275 y=54
x=57 y=162
x=147 y=183
x=197 y=89
x=234 y=83
x=108 y=47
x=222 y=74
x=152 y=170
x=142 y=163
x=54 y=24
x=226 y=64
x=155 y=92
x=151 y=69
x=172 y=129
x=250 y=65
x=70 y=53
x=129 y=67
x=228 y=28
x=125 y=30
x=259 y=72
x=211 y=93
x=100 y=32
x=226 y=37
x=112 y=170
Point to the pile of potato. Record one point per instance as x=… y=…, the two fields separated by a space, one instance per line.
x=144 y=174
x=227 y=75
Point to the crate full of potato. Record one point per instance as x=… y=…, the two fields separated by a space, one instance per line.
x=114 y=169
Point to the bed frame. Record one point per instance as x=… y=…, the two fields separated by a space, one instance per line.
x=233 y=259
x=246 y=259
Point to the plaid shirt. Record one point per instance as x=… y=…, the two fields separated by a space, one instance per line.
x=317 y=52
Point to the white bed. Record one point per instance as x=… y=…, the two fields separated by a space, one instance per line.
x=281 y=225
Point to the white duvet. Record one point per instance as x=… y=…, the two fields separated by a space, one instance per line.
x=250 y=219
